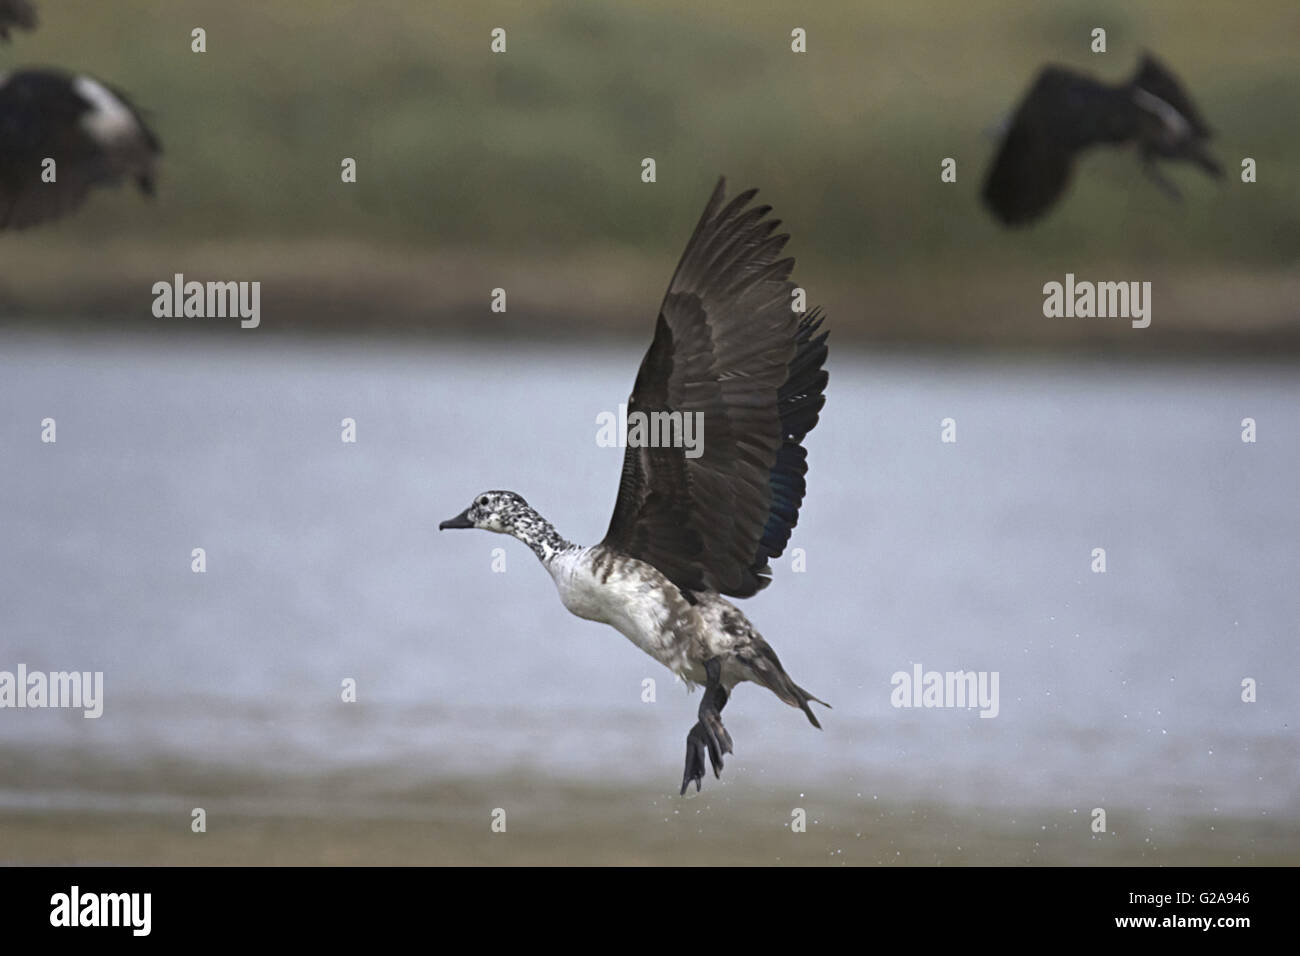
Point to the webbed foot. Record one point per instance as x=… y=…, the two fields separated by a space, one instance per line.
x=708 y=734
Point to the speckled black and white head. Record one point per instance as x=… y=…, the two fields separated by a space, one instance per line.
x=507 y=513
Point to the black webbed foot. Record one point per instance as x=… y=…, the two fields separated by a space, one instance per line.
x=695 y=747
x=708 y=734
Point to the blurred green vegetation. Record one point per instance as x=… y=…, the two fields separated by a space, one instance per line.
x=536 y=153
x=541 y=146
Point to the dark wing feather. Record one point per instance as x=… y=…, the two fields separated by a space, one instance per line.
x=799 y=402
x=652 y=514
x=1062 y=113
x=724 y=346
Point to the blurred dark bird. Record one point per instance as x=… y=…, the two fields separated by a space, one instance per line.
x=1066 y=112
x=16 y=13
x=91 y=131
x=698 y=518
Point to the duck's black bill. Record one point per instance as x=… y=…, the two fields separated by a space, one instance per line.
x=460 y=521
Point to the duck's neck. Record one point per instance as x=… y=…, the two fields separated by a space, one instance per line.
x=540 y=535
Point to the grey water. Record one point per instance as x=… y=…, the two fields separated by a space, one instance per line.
x=324 y=564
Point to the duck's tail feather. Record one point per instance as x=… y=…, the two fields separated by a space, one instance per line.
x=765 y=668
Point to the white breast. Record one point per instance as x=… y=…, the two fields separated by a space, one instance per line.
x=634 y=599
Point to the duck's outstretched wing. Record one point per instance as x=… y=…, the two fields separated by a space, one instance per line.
x=799 y=402
x=729 y=352
x=1062 y=113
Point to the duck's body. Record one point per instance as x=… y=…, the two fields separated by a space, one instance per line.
x=1066 y=112
x=680 y=631
x=690 y=528
x=638 y=601
x=91 y=131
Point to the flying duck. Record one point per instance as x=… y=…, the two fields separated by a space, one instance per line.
x=16 y=13
x=1066 y=112
x=94 y=134
x=692 y=527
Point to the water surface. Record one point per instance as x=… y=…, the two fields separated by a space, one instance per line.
x=324 y=563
